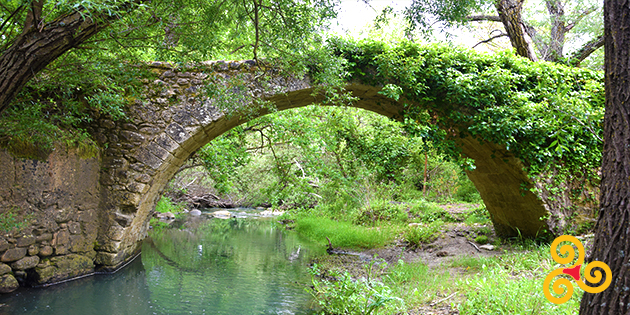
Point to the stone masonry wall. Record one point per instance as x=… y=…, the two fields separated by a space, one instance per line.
x=50 y=219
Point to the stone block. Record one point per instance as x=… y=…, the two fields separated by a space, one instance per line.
x=8 y=283
x=87 y=216
x=80 y=244
x=142 y=178
x=4 y=245
x=131 y=136
x=61 y=238
x=44 y=237
x=64 y=267
x=61 y=250
x=158 y=151
x=13 y=254
x=33 y=250
x=177 y=133
x=74 y=227
x=25 y=241
x=45 y=251
x=65 y=214
x=167 y=143
x=4 y=269
x=25 y=263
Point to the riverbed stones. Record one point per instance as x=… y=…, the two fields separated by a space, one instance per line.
x=222 y=214
x=8 y=283
x=25 y=263
x=13 y=254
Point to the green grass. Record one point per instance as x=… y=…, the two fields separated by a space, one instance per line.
x=416 y=283
x=507 y=284
x=165 y=205
x=423 y=234
x=344 y=234
x=10 y=220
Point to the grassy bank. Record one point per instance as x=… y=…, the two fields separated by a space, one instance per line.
x=508 y=283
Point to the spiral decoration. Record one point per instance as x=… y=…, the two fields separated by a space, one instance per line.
x=562 y=287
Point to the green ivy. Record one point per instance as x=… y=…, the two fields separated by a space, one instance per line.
x=548 y=115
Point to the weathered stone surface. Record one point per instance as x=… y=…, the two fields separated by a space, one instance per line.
x=74 y=227
x=4 y=245
x=65 y=214
x=25 y=263
x=143 y=178
x=33 y=250
x=64 y=267
x=8 y=283
x=80 y=244
x=4 y=268
x=45 y=251
x=25 y=241
x=61 y=249
x=61 y=238
x=44 y=237
x=13 y=254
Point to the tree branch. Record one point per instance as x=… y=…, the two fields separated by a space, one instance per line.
x=33 y=50
x=586 y=50
x=490 y=39
x=483 y=18
x=579 y=18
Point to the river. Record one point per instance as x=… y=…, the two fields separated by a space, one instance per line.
x=197 y=266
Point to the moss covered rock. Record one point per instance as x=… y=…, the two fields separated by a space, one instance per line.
x=63 y=267
x=8 y=283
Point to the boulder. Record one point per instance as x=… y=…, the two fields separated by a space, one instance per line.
x=8 y=283
x=195 y=213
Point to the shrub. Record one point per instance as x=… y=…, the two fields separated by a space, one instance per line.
x=348 y=296
x=423 y=234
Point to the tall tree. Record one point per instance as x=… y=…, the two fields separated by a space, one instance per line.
x=36 y=33
x=612 y=236
x=532 y=39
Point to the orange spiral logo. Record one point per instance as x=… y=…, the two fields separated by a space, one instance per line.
x=562 y=287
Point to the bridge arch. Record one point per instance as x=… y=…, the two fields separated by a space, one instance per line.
x=175 y=120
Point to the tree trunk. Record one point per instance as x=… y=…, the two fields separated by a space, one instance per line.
x=38 y=46
x=558 y=31
x=612 y=236
x=510 y=13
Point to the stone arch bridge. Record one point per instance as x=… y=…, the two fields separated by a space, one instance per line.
x=163 y=131
x=96 y=211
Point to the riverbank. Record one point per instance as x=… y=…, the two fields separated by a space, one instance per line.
x=463 y=268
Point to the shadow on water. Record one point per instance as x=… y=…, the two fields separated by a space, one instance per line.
x=203 y=266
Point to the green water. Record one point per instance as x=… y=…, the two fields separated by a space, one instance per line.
x=204 y=266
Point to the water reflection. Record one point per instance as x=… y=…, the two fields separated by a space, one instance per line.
x=227 y=267
x=236 y=266
x=125 y=292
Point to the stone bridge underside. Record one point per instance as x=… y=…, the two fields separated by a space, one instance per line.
x=176 y=118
